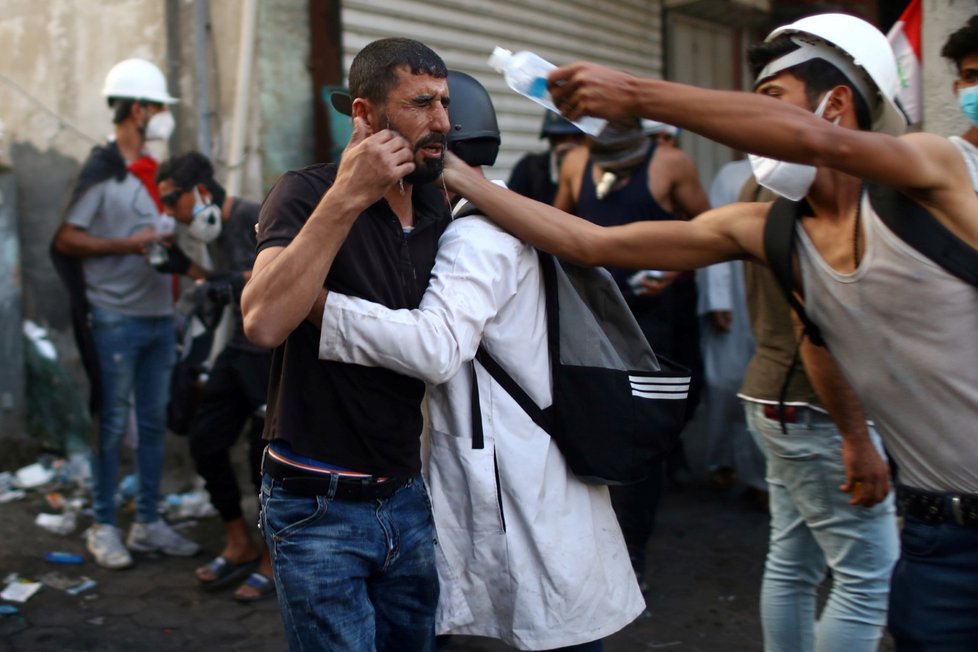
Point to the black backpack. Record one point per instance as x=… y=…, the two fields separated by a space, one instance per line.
x=910 y=221
x=617 y=409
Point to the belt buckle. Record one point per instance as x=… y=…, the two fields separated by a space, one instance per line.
x=956 y=510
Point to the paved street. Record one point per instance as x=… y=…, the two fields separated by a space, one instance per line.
x=705 y=564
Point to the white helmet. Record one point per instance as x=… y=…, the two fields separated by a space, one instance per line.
x=866 y=47
x=652 y=127
x=137 y=79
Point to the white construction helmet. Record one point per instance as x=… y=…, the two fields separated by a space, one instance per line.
x=866 y=57
x=137 y=79
x=652 y=127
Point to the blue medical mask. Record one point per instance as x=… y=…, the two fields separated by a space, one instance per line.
x=968 y=101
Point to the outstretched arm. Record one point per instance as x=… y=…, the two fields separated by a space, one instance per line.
x=286 y=282
x=728 y=233
x=926 y=166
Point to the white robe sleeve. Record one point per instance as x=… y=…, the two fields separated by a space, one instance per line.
x=714 y=284
x=474 y=274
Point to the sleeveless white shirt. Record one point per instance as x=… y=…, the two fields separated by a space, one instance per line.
x=970 y=154
x=905 y=334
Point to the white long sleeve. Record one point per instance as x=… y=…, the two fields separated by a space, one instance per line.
x=476 y=272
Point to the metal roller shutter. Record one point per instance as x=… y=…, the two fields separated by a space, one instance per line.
x=624 y=34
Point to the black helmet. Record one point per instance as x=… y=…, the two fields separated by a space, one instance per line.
x=556 y=125
x=474 y=134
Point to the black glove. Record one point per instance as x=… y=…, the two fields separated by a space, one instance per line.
x=224 y=287
x=176 y=261
x=218 y=292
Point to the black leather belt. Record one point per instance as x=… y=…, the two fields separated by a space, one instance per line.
x=331 y=485
x=938 y=507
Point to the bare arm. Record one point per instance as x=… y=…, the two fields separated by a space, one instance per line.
x=687 y=192
x=867 y=473
x=286 y=282
x=734 y=231
x=570 y=173
x=916 y=162
x=74 y=241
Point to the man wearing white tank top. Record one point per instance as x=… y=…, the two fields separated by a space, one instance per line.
x=901 y=329
x=961 y=49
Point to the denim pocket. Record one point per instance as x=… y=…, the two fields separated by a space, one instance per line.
x=286 y=513
x=919 y=539
x=809 y=475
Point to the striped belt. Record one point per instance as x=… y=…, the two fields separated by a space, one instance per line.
x=331 y=485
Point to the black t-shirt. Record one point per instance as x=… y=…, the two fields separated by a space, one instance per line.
x=366 y=419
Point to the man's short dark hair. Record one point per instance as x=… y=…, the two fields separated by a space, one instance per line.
x=190 y=169
x=373 y=72
x=818 y=76
x=122 y=107
x=962 y=42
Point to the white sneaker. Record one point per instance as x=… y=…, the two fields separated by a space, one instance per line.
x=150 y=537
x=105 y=544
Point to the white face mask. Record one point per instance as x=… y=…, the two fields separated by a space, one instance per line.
x=791 y=180
x=206 y=223
x=160 y=126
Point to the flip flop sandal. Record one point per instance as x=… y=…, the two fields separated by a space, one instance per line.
x=226 y=573
x=264 y=585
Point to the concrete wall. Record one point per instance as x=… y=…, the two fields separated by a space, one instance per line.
x=54 y=59
x=941 y=18
x=54 y=56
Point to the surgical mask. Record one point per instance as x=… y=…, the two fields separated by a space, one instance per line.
x=968 y=101
x=160 y=126
x=791 y=180
x=206 y=223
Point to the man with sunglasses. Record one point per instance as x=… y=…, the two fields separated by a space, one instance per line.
x=238 y=381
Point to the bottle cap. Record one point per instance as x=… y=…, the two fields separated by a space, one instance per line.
x=498 y=58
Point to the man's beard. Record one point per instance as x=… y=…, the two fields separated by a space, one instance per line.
x=428 y=169
x=425 y=172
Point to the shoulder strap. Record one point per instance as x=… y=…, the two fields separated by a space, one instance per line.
x=506 y=381
x=913 y=224
x=779 y=247
x=512 y=388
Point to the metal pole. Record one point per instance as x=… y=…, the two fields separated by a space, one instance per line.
x=246 y=49
x=201 y=64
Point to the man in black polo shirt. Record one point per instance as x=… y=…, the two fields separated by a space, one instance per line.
x=344 y=510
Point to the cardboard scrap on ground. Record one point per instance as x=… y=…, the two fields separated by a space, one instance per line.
x=33 y=475
x=57 y=523
x=20 y=591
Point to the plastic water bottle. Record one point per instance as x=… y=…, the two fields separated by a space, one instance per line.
x=526 y=73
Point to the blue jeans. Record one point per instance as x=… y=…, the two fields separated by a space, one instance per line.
x=136 y=356
x=934 y=595
x=353 y=575
x=813 y=526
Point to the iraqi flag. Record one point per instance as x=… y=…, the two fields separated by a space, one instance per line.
x=905 y=40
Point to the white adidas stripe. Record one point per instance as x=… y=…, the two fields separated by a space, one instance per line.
x=658 y=380
x=666 y=386
x=666 y=395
